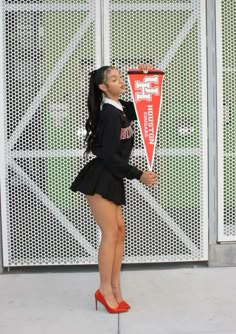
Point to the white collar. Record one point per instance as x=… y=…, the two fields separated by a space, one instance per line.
x=112 y=102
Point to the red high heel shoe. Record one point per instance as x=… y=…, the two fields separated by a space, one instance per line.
x=124 y=304
x=99 y=297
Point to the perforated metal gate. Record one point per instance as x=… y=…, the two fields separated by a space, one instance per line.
x=226 y=112
x=50 y=47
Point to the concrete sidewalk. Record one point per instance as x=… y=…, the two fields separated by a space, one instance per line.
x=169 y=301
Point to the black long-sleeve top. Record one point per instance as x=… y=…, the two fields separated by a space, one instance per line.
x=114 y=139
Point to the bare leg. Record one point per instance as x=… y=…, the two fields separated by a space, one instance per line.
x=115 y=278
x=105 y=215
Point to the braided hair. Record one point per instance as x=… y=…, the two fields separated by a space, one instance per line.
x=95 y=97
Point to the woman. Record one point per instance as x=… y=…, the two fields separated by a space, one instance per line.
x=110 y=138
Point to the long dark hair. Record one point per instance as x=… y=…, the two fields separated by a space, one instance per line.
x=95 y=97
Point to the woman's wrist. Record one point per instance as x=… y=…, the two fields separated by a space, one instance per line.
x=140 y=175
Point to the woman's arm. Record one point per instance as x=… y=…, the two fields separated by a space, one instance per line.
x=129 y=110
x=109 y=151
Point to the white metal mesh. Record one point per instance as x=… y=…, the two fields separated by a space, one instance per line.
x=226 y=113
x=50 y=48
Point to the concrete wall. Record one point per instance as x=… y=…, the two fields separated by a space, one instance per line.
x=222 y=255
x=1 y=264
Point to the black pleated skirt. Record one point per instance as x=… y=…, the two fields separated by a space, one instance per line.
x=95 y=178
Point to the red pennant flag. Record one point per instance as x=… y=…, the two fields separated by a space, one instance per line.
x=146 y=93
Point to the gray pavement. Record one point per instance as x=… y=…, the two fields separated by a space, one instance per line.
x=164 y=301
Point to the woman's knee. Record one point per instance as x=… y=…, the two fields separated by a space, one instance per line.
x=121 y=230
x=111 y=234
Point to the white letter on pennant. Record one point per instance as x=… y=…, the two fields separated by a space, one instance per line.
x=145 y=89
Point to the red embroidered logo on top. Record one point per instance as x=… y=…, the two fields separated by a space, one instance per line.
x=126 y=133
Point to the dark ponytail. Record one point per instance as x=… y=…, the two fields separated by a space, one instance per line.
x=95 y=97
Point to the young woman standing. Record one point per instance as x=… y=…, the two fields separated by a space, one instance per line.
x=110 y=138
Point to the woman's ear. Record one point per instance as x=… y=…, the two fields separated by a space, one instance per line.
x=102 y=87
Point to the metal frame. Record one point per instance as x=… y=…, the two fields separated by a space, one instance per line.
x=2 y=146
x=106 y=32
x=212 y=120
x=98 y=34
x=46 y=7
x=204 y=143
x=220 y=164
x=220 y=137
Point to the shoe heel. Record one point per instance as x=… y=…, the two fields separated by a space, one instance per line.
x=96 y=304
x=99 y=297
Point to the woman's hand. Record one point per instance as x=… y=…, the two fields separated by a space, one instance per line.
x=149 y=178
x=145 y=67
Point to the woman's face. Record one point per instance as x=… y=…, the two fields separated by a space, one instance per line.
x=114 y=84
